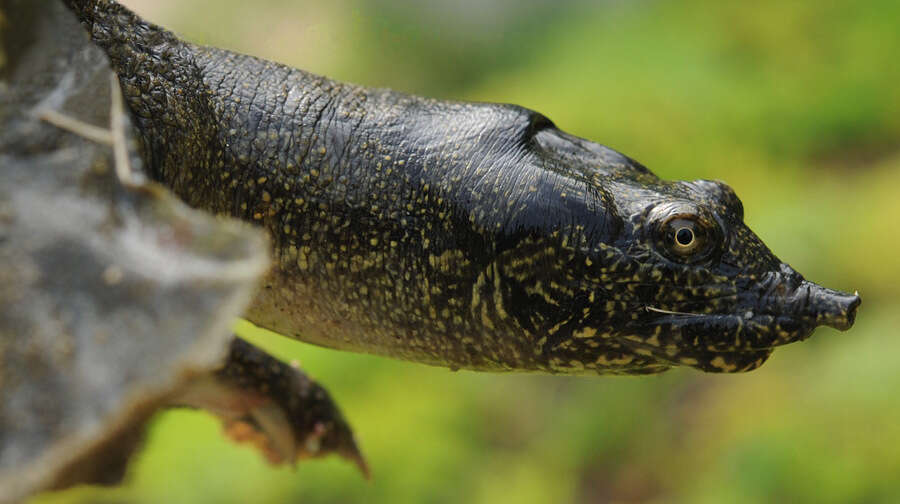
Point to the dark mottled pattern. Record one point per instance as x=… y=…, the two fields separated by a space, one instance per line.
x=459 y=234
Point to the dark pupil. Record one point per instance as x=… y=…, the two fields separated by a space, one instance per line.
x=684 y=236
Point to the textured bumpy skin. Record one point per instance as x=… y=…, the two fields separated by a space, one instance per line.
x=466 y=235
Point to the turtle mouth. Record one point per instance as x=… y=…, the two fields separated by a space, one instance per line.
x=778 y=316
x=719 y=343
x=743 y=339
x=747 y=332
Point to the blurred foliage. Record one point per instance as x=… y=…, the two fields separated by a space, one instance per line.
x=794 y=104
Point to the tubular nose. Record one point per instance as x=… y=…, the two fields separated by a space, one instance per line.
x=851 y=303
x=834 y=308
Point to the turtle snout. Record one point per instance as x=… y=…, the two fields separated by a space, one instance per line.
x=832 y=308
x=809 y=301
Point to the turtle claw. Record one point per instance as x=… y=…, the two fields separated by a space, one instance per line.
x=243 y=432
x=336 y=438
x=273 y=422
x=274 y=407
x=352 y=453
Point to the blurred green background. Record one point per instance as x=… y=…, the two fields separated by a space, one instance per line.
x=795 y=104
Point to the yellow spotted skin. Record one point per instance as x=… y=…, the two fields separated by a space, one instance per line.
x=464 y=235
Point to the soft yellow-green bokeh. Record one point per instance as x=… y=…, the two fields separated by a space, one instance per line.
x=795 y=104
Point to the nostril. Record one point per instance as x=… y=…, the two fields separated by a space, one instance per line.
x=853 y=303
x=843 y=312
x=832 y=308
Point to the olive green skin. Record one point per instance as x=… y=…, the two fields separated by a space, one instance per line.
x=465 y=235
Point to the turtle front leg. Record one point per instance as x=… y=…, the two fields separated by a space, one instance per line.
x=272 y=405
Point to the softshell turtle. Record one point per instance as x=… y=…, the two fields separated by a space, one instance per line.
x=465 y=235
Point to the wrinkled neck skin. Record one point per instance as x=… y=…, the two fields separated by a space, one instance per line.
x=464 y=235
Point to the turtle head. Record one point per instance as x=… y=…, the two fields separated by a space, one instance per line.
x=653 y=274
x=721 y=299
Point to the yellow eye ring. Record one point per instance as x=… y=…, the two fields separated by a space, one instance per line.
x=686 y=234
x=684 y=237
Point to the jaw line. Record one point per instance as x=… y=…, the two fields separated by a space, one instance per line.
x=670 y=312
x=749 y=323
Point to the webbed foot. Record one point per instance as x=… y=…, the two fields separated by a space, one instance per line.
x=273 y=406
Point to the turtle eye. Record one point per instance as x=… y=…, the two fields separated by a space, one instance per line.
x=682 y=236
x=687 y=238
